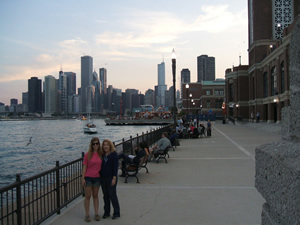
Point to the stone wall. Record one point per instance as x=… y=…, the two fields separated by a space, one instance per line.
x=278 y=164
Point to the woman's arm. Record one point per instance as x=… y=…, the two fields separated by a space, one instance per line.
x=83 y=175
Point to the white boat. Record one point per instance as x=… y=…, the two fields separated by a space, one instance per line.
x=90 y=127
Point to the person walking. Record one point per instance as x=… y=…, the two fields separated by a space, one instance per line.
x=208 y=128
x=109 y=172
x=252 y=117
x=92 y=162
x=257 y=117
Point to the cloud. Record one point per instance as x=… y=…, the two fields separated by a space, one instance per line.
x=44 y=58
x=155 y=30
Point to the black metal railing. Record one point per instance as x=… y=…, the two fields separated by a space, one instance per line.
x=33 y=200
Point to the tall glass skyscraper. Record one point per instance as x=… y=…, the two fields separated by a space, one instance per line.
x=161 y=87
x=50 y=94
x=86 y=80
x=103 y=88
x=206 y=68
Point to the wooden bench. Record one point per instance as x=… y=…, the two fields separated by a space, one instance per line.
x=162 y=154
x=132 y=170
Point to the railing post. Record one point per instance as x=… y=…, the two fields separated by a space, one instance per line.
x=82 y=156
x=131 y=150
x=57 y=188
x=19 y=212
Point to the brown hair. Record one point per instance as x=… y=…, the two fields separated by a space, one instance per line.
x=90 y=151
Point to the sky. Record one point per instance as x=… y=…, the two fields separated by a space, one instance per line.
x=129 y=38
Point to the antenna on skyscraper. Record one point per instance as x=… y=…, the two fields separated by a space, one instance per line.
x=163 y=58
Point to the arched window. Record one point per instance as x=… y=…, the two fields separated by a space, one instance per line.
x=265 y=77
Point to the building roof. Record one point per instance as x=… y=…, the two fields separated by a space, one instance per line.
x=214 y=82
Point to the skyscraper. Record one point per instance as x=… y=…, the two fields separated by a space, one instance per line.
x=185 y=78
x=103 y=83
x=50 y=94
x=34 y=95
x=161 y=87
x=205 y=68
x=71 y=83
x=149 y=97
x=86 y=80
x=62 y=88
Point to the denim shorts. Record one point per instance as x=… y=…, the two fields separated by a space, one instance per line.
x=92 y=181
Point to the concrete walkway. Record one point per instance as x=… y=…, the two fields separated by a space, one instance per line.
x=207 y=181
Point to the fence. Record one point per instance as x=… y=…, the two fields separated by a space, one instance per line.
x=35 y=199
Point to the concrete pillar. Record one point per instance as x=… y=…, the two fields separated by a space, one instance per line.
x=277 y=175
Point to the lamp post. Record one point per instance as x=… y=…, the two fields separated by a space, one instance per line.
x=187 y=98
x=174 y=87
x=189 y=102
x=237 y=109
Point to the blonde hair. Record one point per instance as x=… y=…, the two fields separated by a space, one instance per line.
x=111 y=145
x=90 y=151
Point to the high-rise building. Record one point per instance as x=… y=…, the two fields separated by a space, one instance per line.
x=127 y=100
x=97 y=105
x=116 y=98
x=103 y=83
x=62 y=88
x=185 y=79
x=149 y=97
x=34 y=95
x=25 y=101
x=161 y=87
x=90 y=91
x=86 y=80
x=95 y=76
x=14 y=101
x=50 y=95
x=71 y=83
x=185 y=76
x=205 y=68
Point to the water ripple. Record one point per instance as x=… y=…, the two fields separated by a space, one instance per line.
x=51 y=140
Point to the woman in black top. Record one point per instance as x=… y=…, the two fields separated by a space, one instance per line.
x=140 y=153
x=109 y=172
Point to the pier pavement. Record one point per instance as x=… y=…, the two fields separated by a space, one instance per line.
x=207 y=181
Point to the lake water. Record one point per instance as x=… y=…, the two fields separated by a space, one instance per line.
x=52 y=140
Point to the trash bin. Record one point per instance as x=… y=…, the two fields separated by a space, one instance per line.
x=223 y=121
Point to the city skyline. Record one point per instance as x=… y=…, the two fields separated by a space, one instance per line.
x=129 y=41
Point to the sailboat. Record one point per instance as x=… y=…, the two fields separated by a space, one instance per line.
x=90 y=127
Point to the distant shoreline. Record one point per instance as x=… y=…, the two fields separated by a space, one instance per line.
x=44 y=118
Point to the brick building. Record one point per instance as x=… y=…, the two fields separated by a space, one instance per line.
x=266 y=81
x=205 y=97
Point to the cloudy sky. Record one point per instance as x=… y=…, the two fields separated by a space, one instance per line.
x=128 y=37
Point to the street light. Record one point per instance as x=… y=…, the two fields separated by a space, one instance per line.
x=187 y=96
x=189 y=101
x=237 y=109
x=174 y=87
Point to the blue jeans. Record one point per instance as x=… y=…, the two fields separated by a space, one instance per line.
x=92 y=181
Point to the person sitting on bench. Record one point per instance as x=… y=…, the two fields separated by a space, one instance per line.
x=133 y=159
x=162 y=144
